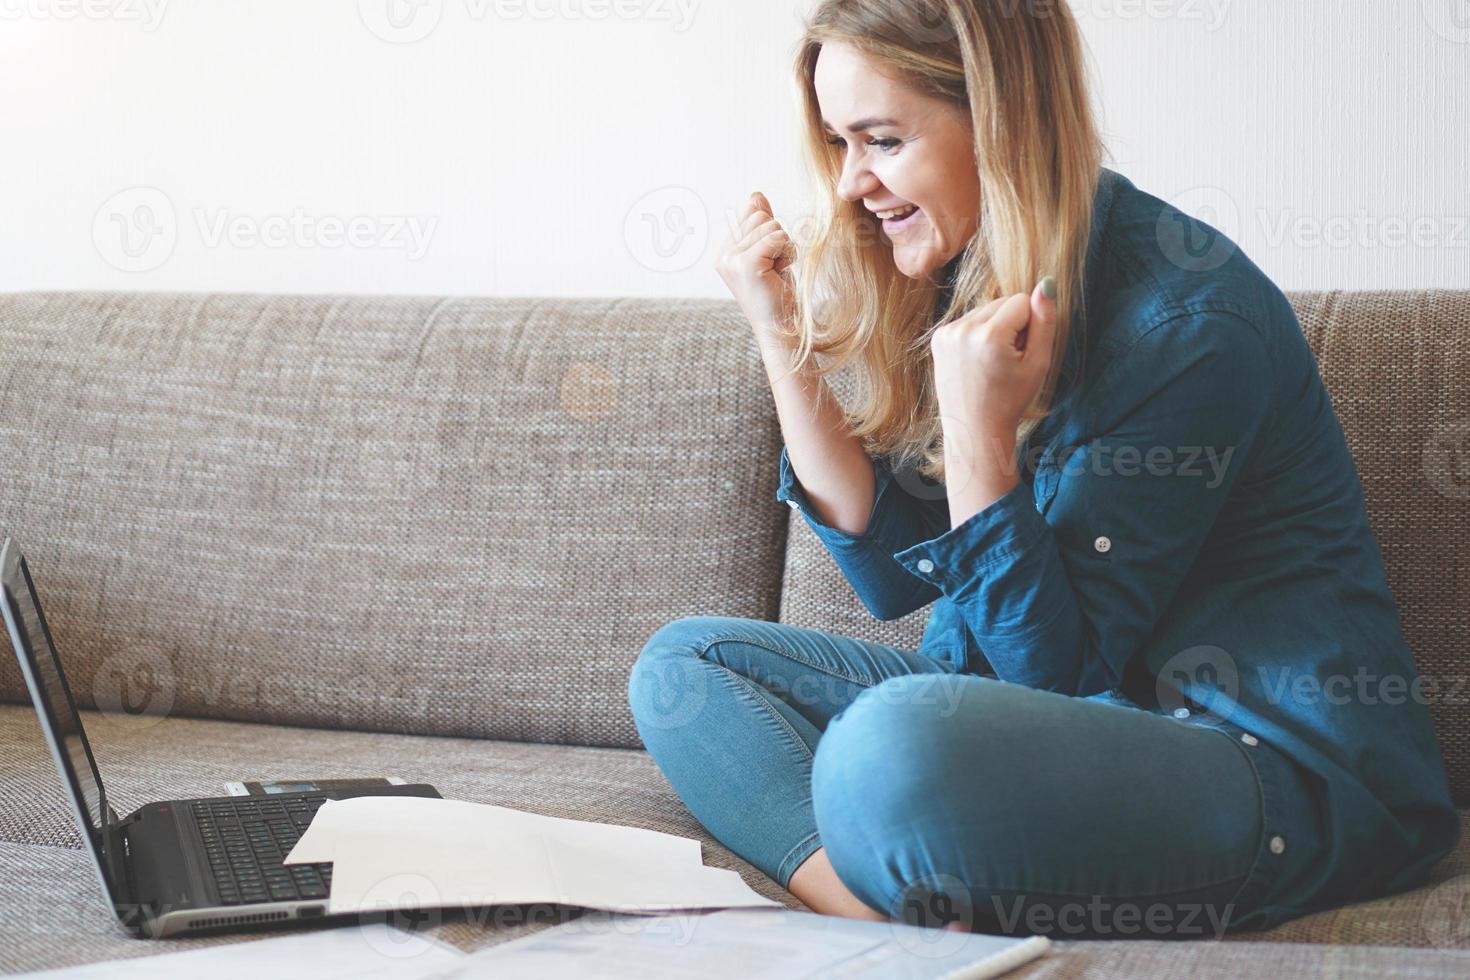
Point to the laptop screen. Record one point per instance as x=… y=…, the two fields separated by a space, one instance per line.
x=31 y=639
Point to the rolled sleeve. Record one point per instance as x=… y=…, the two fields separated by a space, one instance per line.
x=994 y=563
x=897 y=520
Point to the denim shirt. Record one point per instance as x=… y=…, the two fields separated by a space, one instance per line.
x=1188 y=533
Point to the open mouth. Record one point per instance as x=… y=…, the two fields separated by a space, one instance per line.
x=901 y=221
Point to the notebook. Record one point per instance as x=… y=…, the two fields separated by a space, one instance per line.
x=772 y=944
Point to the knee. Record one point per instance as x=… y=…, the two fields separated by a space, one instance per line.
x=912 y=711
x=871 y=752
x=907 y=732
x=895 y=750
x=666 y=687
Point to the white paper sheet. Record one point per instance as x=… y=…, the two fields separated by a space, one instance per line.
x=375 y=950
x=748 y=944
x=455 y=819
x=409 y=852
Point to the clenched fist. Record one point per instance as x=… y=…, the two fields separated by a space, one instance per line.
x=755 y=266
x=990 y=363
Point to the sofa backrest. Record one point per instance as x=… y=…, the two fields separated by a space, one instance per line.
x=440 y=516
x=1397 y=366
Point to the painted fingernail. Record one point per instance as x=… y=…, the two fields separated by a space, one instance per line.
x=1049 y=287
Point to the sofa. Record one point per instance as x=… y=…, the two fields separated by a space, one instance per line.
x=428 y=536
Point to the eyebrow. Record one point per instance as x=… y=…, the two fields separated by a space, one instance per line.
x=863 y=124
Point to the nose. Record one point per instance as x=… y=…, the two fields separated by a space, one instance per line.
x=856 y=181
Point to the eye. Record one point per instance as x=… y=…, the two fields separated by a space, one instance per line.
x=886 y=144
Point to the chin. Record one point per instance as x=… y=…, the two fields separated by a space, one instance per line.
x=916 y=264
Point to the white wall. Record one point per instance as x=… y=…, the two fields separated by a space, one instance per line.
x=598 y=147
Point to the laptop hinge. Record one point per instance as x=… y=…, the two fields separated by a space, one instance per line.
x=115 y=854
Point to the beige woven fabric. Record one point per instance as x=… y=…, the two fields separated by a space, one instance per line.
x=145 y=759
x=464 y=517
x=1397 y=366
x=54 y=919
x=410 y=514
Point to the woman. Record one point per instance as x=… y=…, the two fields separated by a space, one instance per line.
x=1124 y=490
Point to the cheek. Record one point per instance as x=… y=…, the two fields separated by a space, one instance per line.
x=935 y=191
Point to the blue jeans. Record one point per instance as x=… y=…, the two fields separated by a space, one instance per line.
x=943 y=796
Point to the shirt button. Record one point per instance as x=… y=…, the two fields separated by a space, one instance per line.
x=1249 y=739
x=1278 y=844
x=1102 y=543
x=925 y=565
x=1181 y=712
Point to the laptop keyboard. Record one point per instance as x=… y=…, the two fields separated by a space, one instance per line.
x=246 y=840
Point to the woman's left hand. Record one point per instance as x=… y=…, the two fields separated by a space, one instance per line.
x=990 y=362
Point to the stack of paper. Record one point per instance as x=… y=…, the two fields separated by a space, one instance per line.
x=746 y=944
x=396 y=852
x=348 y=953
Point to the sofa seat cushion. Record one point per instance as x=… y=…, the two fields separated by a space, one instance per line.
x=162 y=758
x=53 y=919
x=151 y=758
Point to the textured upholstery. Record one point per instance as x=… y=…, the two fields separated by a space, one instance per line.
x=1397 y=366
x=457 y=517
x=464 y=518
x=145 y=759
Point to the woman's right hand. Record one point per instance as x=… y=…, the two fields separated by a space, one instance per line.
x=756 y=267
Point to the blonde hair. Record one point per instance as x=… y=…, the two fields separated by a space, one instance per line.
x=1020 y=75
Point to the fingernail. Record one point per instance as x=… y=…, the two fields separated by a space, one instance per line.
x=1049 y=287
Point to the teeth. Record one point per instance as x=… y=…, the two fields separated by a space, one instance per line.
x=897 y=213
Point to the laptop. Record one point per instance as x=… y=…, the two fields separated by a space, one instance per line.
x=173 y=866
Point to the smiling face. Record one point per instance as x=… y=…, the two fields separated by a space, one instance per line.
x=904 y=149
